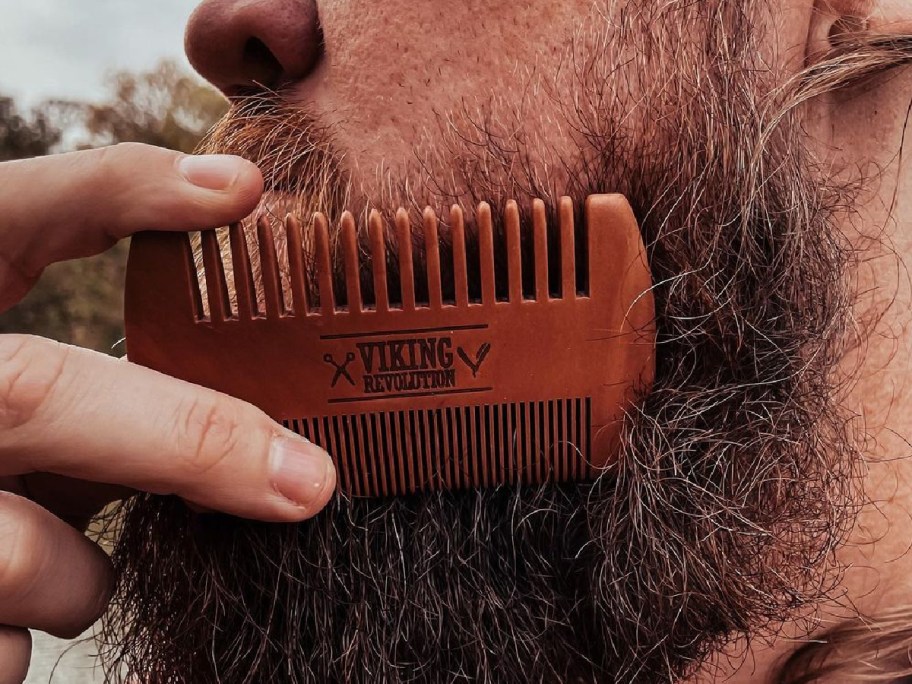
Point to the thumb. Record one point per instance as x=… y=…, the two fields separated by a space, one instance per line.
x=73 y=205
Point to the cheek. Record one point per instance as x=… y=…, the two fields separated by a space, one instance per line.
x=392 y=68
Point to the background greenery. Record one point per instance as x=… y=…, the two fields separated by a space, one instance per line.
x=81 y=302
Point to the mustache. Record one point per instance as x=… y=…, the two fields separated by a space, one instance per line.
x=294 y=151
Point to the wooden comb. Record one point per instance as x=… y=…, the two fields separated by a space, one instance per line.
x=410 y=393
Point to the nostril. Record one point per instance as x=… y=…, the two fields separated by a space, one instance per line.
x=243 y=44
x=261 y=64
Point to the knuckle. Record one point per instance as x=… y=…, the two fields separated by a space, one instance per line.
x=30 y=369
x=210 y=431
x=20 y=548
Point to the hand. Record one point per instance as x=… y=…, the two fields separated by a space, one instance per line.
x=79 y=429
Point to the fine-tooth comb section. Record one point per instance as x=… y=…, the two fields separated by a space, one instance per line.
x=534 y=442
x=422 y=351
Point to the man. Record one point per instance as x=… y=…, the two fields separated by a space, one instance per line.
x=762 y=488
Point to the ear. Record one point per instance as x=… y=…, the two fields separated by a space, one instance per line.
x=835 y=20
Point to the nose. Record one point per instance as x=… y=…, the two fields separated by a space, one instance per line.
x=236 y=44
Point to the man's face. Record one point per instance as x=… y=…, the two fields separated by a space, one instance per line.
x=734 y=480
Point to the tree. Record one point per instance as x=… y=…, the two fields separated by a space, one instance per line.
x=25 y=135
x=81 y=302
x=165 y=107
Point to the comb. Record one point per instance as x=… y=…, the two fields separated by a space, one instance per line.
x=495 y=379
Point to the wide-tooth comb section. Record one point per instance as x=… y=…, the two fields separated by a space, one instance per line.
x=509 y=351
x=216 y=283
x=269 y=266
x=352 y=267
x=296 y=272
x=244 y=288
x=323 y=262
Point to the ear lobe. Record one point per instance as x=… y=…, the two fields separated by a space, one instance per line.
x=834 y=21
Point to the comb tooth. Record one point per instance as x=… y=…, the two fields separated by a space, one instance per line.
x=528 y=417
x=406 y=266
x=467 y=453
x=554 y=455
x=243 y=277
x=540 y=223
x=483 y=444
x=324 y=265
x=514 y=251
x=216 y=285
x=577 y=436
x=494 y=439
x=269 y=264
x=460 y=268
x=569 y=446
x=409 y=447
x=378 y=261
x=295 y=248
x=449 y=440
x=352 y=268
x=380 y=464
x=362 y=444
x=432 y=250
x=544 y=438
x=192 y=278
x=350 y=458
x=568 y=249
x=463 y=455
x=386 y=448
x=431 y=449
x=510 y=443
x=587 y=452
x=391 y=454
x=418 y=478
x=486 y=253
x=431 y=469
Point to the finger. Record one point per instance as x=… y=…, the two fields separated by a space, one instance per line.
x=15 y=654
x=73 y=501
x=52 y=577
x=73 y=205
x=78 y=413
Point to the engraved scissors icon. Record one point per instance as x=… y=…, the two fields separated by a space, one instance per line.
x=341 y=368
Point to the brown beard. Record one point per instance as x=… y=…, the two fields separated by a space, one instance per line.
x=737 y=474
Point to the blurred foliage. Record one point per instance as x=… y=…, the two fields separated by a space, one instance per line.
x=81 y=302
x=25 y=135
x=166 y=107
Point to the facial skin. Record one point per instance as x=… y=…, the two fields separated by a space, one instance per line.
x=742 y=474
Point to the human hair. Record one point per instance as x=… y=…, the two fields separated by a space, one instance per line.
x=875 y=648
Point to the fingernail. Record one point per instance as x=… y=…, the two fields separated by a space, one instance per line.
x=300 y=470
x=212 y=172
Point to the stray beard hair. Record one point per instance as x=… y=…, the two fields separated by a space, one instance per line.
x=738 y=476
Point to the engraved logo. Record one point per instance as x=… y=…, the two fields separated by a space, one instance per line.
x=341 y=368
x=403 y=363
x=480 y=357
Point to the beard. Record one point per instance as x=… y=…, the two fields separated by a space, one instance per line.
x=736 y=478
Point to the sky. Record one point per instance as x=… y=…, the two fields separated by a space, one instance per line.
x=64 y=48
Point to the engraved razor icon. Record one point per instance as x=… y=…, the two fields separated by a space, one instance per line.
x=480 y=357
x=341 y=368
